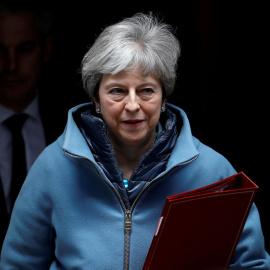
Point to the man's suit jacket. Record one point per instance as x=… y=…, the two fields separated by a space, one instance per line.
x=54 y=115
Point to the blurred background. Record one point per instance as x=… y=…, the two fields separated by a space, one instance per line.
x=220 y=84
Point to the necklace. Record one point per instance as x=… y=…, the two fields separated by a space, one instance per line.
x=125 y=180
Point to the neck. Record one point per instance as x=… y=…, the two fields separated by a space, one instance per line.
x=128 y=157
x=18 y=105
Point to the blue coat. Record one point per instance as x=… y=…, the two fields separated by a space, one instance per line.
x=70 y=216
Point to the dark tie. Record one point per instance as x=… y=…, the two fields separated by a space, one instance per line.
x=15 y=124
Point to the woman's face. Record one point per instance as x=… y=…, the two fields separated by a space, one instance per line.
x=130 y=106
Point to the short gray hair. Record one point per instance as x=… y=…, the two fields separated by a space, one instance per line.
x=142 y=43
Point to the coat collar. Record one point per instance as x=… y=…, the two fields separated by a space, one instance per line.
x=74 y=142
x=185 y=149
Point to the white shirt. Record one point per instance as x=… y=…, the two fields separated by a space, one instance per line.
x=34 y=140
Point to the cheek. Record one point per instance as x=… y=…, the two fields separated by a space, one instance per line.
x=153 y=109
x=34 y=65
x=154 y=118
x=33 y=61
x=110 y=111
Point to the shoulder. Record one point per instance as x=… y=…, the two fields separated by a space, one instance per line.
x=208 y=153
x=210 y=160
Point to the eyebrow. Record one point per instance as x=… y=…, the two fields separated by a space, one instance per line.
x=27 y=43
x=22 y=43
x=116 y=84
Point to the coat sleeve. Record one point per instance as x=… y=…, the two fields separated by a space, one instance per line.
x=29 y=242
x=250 y=252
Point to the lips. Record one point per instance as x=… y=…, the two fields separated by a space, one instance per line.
x=133 y=122
x=11 y=80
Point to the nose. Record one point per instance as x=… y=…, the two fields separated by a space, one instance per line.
x=132 y=102
x=11 y=61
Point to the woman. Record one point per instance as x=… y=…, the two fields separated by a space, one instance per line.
x=93 y=198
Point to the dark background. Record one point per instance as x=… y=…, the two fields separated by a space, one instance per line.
x=221 y=73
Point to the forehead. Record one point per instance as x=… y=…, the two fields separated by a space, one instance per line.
x=18 y=28
x=126 y=77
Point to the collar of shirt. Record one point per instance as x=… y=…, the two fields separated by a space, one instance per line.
x=32 y=111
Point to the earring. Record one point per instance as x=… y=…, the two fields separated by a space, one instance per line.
x=98 y=110
x=163 y=109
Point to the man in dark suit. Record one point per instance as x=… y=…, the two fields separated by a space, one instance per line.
x=25 y=46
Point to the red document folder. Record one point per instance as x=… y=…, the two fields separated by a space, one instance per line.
x=200 y=229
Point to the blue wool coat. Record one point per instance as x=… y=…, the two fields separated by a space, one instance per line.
x=70 y=216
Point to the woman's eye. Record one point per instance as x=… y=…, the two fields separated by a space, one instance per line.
x=147 y=91
x=116 y=91
x=116 y=94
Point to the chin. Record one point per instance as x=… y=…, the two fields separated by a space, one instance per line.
x=139 y=141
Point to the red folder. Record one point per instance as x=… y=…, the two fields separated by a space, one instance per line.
x=200 y=229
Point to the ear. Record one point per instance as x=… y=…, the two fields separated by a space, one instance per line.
x=97 y=103
x=47 y=50
x=163 y=103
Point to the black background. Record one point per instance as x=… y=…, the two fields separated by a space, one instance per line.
x=221 y=73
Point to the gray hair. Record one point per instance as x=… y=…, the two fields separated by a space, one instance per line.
x=141 y=43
